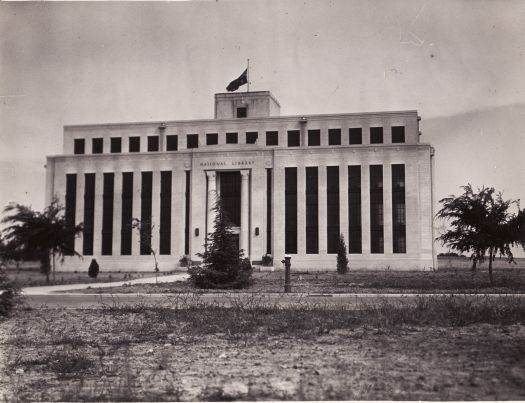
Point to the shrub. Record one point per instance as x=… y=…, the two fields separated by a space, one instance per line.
x=267 y=260
x=93 y=269
x=9 y=294
x=185 y=261
x=342 y=259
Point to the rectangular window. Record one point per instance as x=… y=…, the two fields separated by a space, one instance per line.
x=312 y=210
x=268 y=210
x=145 y=213
x=376 y=135
x=354 y=209
x=290 y=210
x=97 y=146
x=212 y=139
x=70 y=209
x=376 y=209
x=242 y=112
x=127 y=213
x=294 y=138
x=334 y=137
x=398 y=208
x=314 y=137
x=79 y=146
x=172 y=142
x=89 y=214
x=332 y=208
x=134 y=144
x=251 y=137
x=187 y=214
x=355 y=135
x=398 y=134
x=115 y=145
x=165 y=213
x=192 y=141
x=272 y=138
x=107 y=214
x=153 y=143
x=231 y=138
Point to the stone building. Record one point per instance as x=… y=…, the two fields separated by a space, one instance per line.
x=291 y=185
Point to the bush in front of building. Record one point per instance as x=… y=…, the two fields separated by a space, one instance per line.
x=93 y=269
x=342 y=259
x=223 y=264
x=267 y=260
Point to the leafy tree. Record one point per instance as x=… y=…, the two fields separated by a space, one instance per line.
x=145 y=230
x=45 y=235
x=480 y=223
x=342 y=259
x=224 y=265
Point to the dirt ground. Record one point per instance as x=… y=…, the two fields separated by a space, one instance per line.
x=89 y=355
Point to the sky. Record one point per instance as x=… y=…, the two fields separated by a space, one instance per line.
x=459 y=63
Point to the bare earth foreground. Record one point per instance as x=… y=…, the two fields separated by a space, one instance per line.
x=137 y=353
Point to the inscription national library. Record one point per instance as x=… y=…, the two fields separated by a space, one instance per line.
x=290 y=184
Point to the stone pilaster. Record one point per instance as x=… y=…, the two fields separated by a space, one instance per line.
x=245 y=207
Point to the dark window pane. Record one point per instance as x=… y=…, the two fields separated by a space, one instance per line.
x=153 y=143
x=187 y=214
x=172 y=143
x=312 y=210
x=116 y=145
x=272 y=138
x=127 y=213
x=398 y=134
x=89 y=214
x=80 y=146
x=290 y=210
x=332 y=207
x=70 y=210
x=165 y=213
x=334 y=137
x=230 y=190
x=398 y=208
x=212 y=139
x=241 y=112
x=354 y=209
x=107 y=214
x=376 y=209
x=376 y=135
x=251 y=137
x=145 y=213
x=98 y=146
x=192 y=141
x=269 y=210
x=134 y=144
x=356 y=135
x=231 y=138
x=314 y=137
x=294 y=138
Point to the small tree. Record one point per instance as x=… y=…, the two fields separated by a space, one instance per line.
x=342 y=259
x=93 y=269
x=480 y=223
x=224 y=265
x=145 y=230
x=45 y=235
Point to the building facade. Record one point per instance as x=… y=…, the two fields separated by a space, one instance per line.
x=290 y=184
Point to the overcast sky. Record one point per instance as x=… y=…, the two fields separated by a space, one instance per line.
x=459 y=63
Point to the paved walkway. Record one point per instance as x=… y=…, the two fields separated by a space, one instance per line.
x=50 y=289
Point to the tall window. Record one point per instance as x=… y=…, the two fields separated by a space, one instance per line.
x=153 y=143
x=165 y=213
x=376 y=209
x=290 y=210
x=79 y=146
x=312 y=210
x=145 y=213
x=355 y=135
x=127 y=213
x=97 y=146
x=231 y=138
x=269 y=210
x=272 y=138
x=115 y=145
x=332 y=208
x=89 y=214
x=172 y=142
x=212 y=139
x=376 y=135
x=334 y=137
x=187 y=214
x=192 y=141
x=398 y=134
x=294 y=138
x=107 y=214
x=314 y=137
x=134 y=144
x=251 y=137
x=354 y=209
x=70 y=209
x=398 y=208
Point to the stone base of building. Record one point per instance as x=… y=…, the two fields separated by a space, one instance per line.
x=314 y=263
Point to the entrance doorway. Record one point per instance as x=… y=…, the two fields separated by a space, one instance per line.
x=230 y=193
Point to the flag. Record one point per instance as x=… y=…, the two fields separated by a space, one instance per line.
x=241 y=80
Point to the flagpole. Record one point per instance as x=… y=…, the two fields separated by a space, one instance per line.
x=248 y=76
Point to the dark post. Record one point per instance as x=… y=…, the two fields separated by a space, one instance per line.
x=287 y=265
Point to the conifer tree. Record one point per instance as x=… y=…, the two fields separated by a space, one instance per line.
x=342 y=259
